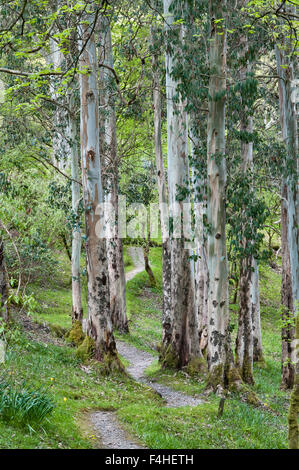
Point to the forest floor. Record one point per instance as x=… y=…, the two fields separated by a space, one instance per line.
x=137 y=407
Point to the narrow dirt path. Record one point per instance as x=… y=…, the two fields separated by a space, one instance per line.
x=139 y=362
x=109 y=432
x=136 y=255
x=105 y=423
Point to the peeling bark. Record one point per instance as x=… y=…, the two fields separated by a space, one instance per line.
x=110 y=160
x=258 y=355
x=162 y=192
x=244 y=342
x=201 y=274
x=290 y=212
x=221 y=370
x=99 y=325
x=288 y=318
x=180 y=341
x=294 y=401
x=77 y=310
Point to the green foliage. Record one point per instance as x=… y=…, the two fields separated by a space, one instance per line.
x=22 y=405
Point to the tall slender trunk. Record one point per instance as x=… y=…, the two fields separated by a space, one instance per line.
x=162 y=191
x=200 y=249
x=290 y=207
x=99 y=325
x=146 y=250
x=244 y=343
x=258 y=355
x=219 y=349
x=288 y=327
x=114 y=242
x=60 y=147
x=294 y=401
x=182 y=345
x=77 y=310
x=4 y=310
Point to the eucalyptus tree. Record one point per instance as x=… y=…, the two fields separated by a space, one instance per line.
x=180 y=339
x=99 y=324
x=110 y=163
x=222 y=372
x=286 y=69
x=249 y=295
x=294 y=401
x=281 y=21
x=155 y=40
x=67 y=142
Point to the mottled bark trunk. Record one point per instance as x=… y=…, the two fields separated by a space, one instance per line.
x=256 y=316
x=117 y=273
x=219 y=352
x=294 y=401
x=244 y=343
x=4 y=310
x=114 y=242
x=285 y=69
x=200 y=245
x=60 y=147
x=290 y=207
x=288 y=319
x=181 y=343
x=77 y=310
x=244 y=353
x=99 y=325
x=162 y=192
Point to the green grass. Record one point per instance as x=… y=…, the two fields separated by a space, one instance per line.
x=140 y=410
x=71 y=389
x=55 y=296
x=22 y=405
x=144 y=307
x=241 y=427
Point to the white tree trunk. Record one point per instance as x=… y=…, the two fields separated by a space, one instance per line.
x=114 y=242
x=219 y=351
x=162 y=191
x=99 y=325
x=77 y=310
x=290 y=135
x=182 y=345
x=200 y=247
x=290 y=214
x=60 y=146
x=256 y=316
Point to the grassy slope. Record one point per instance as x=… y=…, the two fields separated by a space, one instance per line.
x=241 y=426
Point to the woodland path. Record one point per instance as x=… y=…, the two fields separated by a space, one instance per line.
x=105 y=423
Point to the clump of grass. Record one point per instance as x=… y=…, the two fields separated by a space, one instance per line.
x=23 y=406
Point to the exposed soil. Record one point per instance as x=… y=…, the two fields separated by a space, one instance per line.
x=37 y=331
